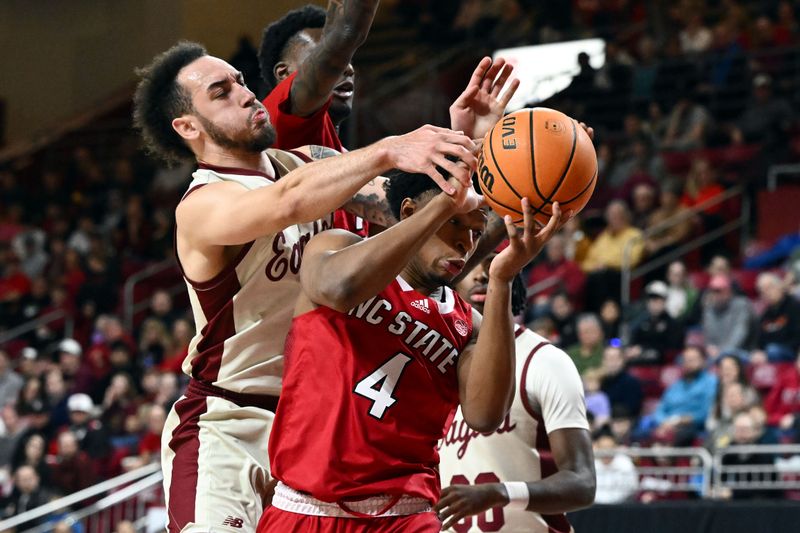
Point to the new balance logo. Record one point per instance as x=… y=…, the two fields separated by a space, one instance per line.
x=422 y=305
x=233 y=522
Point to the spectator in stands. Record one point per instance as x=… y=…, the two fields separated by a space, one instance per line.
x=785 y=248
x=566 y=275
x=161 y=309
x=168 y=391
x=622 y=389
x=604 y=259
x=149 y=449
x=766 y=119
x=786 y=29
x=644 y=200
x=12 y=434
x=645 y=71
x=125 y=526
x=702 y=186
x=610 y=318
x=588 y=352
x=10 y=382
x=733 y=400
x=597 y=403
x=92 y=436
x=119 y=402
x=32 y=453
x=682 y=296
x=783 y=401
x=154 y=342
x=684 y=406
x=634 y=167
x=73 y=470
x=726 y=318
x=747 y=432
x=76 y=376
x=778 y=335
x=671 y=234
x=657 y=333
x=696 y=37
x=562 y=313
x=27 y=494
x=57 y=395
x=182 y=333
x=577 y=240
x=617 y=480
x=688 y=124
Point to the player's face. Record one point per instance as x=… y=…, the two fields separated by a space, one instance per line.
x=444 y=255
x=342 y=103
x=474 y=285
x=225 y=111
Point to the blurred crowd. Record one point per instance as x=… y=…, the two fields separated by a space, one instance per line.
x=694 y=97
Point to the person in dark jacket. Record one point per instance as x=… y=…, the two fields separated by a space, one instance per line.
x=658 y=332
x=27 y=494
x=778 y=333
x=622 y=389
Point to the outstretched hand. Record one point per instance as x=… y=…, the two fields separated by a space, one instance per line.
x=525 y=245
x=483 y=101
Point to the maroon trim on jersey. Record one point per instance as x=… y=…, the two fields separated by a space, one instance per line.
x=525 y=402
x=217 y=306
x=226 y=271
x=234 y=170
x=556 y=523
x=185 y=442
x=520 y=331
x=301 y=155
x=242 y=399
x=190 y=191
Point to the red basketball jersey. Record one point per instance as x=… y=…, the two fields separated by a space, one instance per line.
x=368 y=394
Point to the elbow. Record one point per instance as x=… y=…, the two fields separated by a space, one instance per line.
x=484 y=422
x=339 y=296
x=584 y=496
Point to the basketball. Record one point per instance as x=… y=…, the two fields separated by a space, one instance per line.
x=541 y=154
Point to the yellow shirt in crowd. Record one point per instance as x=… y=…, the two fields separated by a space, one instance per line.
x=606 y=251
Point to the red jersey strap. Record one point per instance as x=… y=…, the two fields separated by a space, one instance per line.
x=388 y=506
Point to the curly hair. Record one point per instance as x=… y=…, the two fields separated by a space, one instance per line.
x=402 y=185
x=278 y=36
x=159 y=98
x=519 y=296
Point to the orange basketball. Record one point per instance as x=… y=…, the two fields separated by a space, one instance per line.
x=541 y=154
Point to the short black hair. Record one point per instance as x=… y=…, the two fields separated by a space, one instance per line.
x=402 y=185
x=159 y=98
x=277 y=37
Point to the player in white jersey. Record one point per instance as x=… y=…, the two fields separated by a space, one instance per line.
x=539 y=464
x=240 y=232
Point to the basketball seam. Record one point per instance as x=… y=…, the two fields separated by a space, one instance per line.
x=500 y=170
x=498 y=202
x=591 y=181
x=548 y=199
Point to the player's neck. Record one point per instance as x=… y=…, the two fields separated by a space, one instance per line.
x=421 y=284
x=220 y=157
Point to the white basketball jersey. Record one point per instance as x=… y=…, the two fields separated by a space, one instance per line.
x=549 y=397
x=243 y=314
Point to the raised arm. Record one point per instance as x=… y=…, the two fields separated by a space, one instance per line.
x=486 y=368
x=340 y=270
x=224 y=214
x=346 y=27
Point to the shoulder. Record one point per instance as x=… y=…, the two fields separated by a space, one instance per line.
x=550 y=362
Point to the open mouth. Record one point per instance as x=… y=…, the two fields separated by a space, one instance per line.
x=260 y=116
x=344 y=90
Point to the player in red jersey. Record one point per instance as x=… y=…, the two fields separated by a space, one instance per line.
x=305 y=61
x=380 y=354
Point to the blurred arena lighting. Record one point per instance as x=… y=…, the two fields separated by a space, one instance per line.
x=545 y=69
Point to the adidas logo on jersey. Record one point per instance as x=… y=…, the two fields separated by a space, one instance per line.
x=422 y=305
x=233 y=522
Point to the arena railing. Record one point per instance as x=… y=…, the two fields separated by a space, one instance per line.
x=630 y=272
x=36 y=323
x=129 y=305
x=758 y=467
x=661 y=473
x=126 y=497
x=775 y=171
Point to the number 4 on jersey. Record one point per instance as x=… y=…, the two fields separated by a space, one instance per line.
x=387 y=376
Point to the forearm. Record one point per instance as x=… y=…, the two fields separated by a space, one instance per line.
x=314 y=190
x=563 y=492
x=366 y=268
x=489 y=386
x=493 y=235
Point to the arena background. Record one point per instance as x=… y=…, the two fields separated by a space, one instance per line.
x=698 y=98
